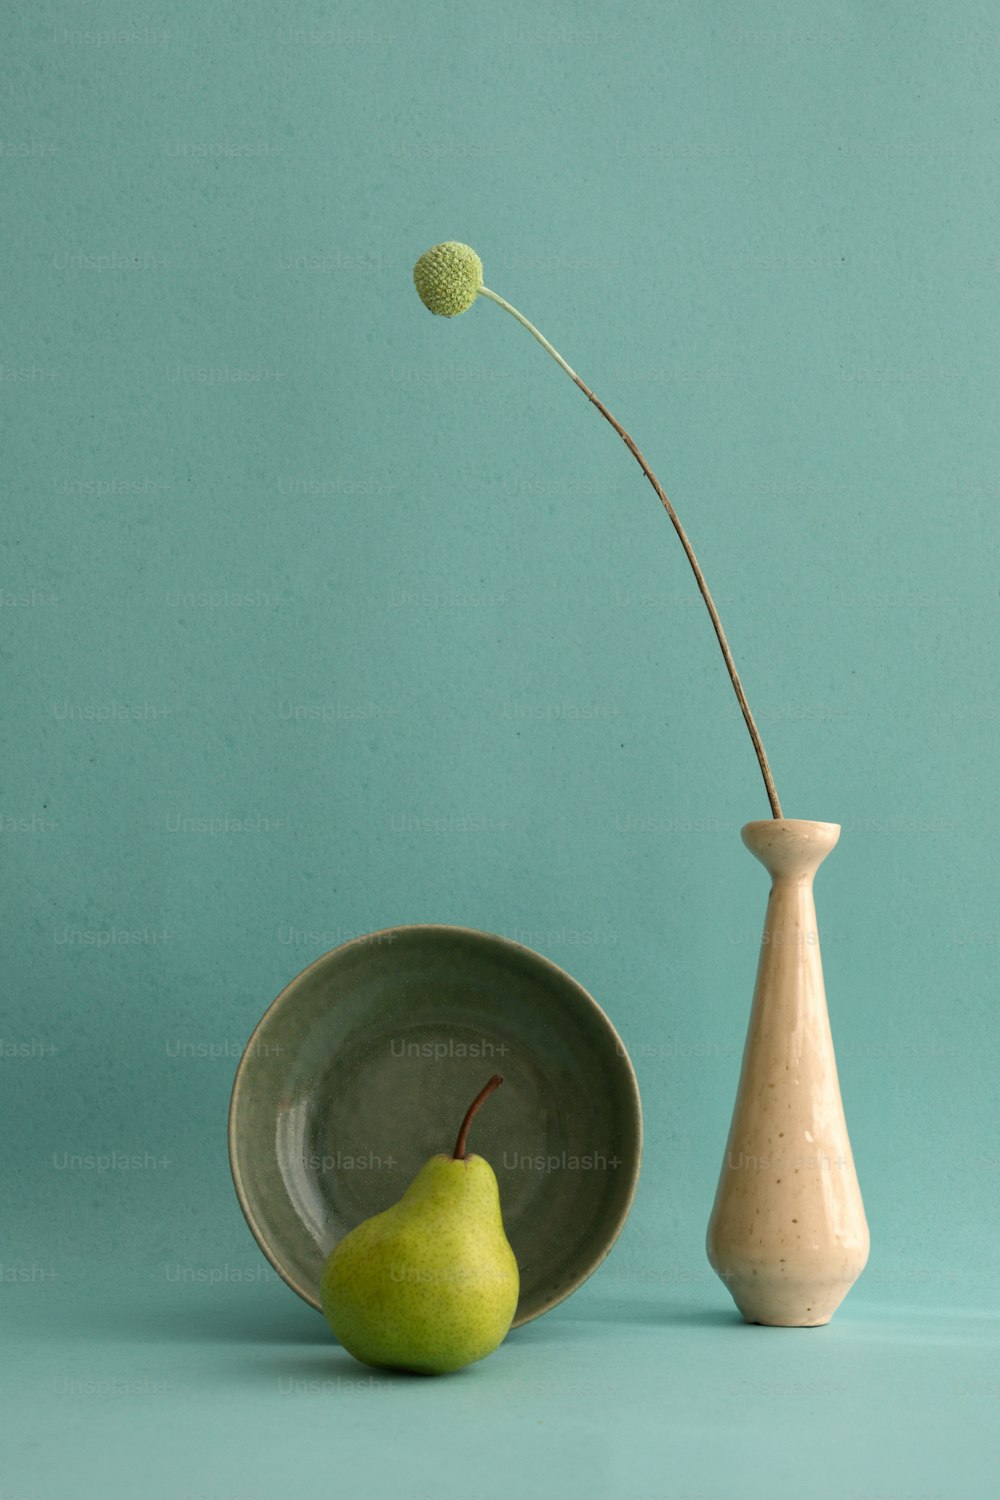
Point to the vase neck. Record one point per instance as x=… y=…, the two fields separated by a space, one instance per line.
x=790 y=847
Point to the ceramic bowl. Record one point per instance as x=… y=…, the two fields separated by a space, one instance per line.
x=364 y=1065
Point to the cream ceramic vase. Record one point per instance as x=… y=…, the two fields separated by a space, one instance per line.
x=788 y=1233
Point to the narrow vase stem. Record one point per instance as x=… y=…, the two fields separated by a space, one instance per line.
x=734 y=676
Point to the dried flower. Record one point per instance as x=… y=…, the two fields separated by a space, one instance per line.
x=449 y=278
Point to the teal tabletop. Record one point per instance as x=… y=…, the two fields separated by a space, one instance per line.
x=638 y=1388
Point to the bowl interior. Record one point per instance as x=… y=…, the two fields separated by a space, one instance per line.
x=364 y=1066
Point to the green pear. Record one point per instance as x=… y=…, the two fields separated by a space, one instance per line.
x=431 y=1284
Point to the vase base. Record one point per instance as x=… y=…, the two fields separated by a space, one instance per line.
x=786 y=1322
x=784 y=1301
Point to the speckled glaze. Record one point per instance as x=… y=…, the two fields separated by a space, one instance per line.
x=788 y=1233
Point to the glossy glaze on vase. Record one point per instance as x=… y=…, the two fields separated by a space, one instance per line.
x=788 y=1234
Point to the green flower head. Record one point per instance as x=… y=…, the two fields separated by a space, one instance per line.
x=448 y=278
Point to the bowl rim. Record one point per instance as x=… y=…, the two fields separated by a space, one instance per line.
x=478 y=933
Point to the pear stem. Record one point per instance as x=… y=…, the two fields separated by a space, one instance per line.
x=471 y=1112
x=734 y=676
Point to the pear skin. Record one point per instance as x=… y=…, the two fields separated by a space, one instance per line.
x=431 y=1284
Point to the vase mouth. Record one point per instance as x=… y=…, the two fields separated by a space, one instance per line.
x=790 y=846
x=792 y=824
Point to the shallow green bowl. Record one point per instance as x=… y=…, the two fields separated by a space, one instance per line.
x=363 y=1067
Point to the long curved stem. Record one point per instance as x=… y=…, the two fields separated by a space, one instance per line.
x=734 y=676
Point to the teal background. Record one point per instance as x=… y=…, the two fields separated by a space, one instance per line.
x=403 y=606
